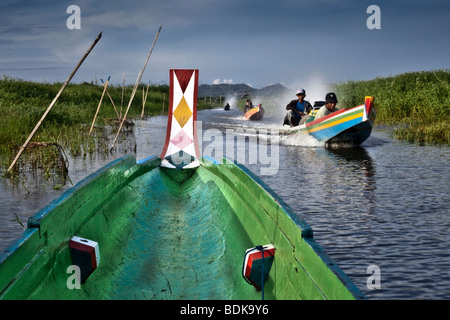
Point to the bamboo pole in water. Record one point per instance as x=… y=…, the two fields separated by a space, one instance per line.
x=144 y=99
x=99 y=104
x=53 y=102
x=123 y=88
x=112 y=101
x=135 y=89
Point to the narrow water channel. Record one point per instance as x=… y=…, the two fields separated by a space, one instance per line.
x=383 y=206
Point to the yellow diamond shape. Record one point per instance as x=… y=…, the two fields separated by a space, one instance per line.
x=182 y=112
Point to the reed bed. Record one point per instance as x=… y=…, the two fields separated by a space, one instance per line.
x=22 y=104
x=417 y=104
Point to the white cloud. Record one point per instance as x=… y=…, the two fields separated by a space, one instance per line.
x=224 y=81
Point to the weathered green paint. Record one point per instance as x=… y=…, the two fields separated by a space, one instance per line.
x=170 y=234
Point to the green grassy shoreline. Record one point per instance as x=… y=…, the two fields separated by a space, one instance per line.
x=417 y=104
x=22 y=104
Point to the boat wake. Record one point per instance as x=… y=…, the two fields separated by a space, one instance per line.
x=278 y=134
x=300 y=139
x=269 y=129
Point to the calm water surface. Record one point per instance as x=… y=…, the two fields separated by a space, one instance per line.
x=384 y=204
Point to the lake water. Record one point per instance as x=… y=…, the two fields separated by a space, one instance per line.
x=382 y=206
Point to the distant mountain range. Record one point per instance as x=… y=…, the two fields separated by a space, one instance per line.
x=240 y=90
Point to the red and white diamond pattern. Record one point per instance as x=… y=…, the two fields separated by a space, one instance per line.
x=181 y=119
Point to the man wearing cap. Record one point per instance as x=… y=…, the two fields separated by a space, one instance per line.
x=329 y=107
x=297 y=109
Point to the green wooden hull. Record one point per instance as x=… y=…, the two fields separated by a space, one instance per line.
x=169 y=227
x=169 y=234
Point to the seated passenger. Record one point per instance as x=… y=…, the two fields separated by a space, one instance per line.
x=329 y=107
x=297 y=109
x=248 y=105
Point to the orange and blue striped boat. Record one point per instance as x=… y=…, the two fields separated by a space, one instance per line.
x=255 y=113
x=346 y=126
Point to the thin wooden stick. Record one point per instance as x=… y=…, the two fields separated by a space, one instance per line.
x=135 y=88
x=99 y=104
x=53 y=102
x=112 y=101
x=123 y=88
x=144 y=99
x=164 y=100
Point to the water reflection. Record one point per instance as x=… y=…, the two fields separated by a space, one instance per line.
x=326 y=182
x=359 y=164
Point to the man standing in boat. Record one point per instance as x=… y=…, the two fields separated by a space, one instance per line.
x=329 y=107
x=297 y=109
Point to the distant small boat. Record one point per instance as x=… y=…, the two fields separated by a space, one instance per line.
x=255 y=113
x=175 y=226
x=349 y=127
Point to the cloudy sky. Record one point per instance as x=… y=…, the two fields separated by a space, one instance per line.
x=256 y=42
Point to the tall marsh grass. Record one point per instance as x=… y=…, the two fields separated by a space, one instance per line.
x=22 y=104
x=417 y=103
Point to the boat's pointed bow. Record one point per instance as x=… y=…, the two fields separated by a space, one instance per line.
x=368 y=102
x=181 y=146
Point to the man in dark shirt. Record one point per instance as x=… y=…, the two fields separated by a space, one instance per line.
x=297 y=109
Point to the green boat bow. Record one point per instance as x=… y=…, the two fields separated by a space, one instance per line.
x=169 y=234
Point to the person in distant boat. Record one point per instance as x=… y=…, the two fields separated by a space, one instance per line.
x=248 y=106
x=227 y=106
x=297 y=109
x=329 y=107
